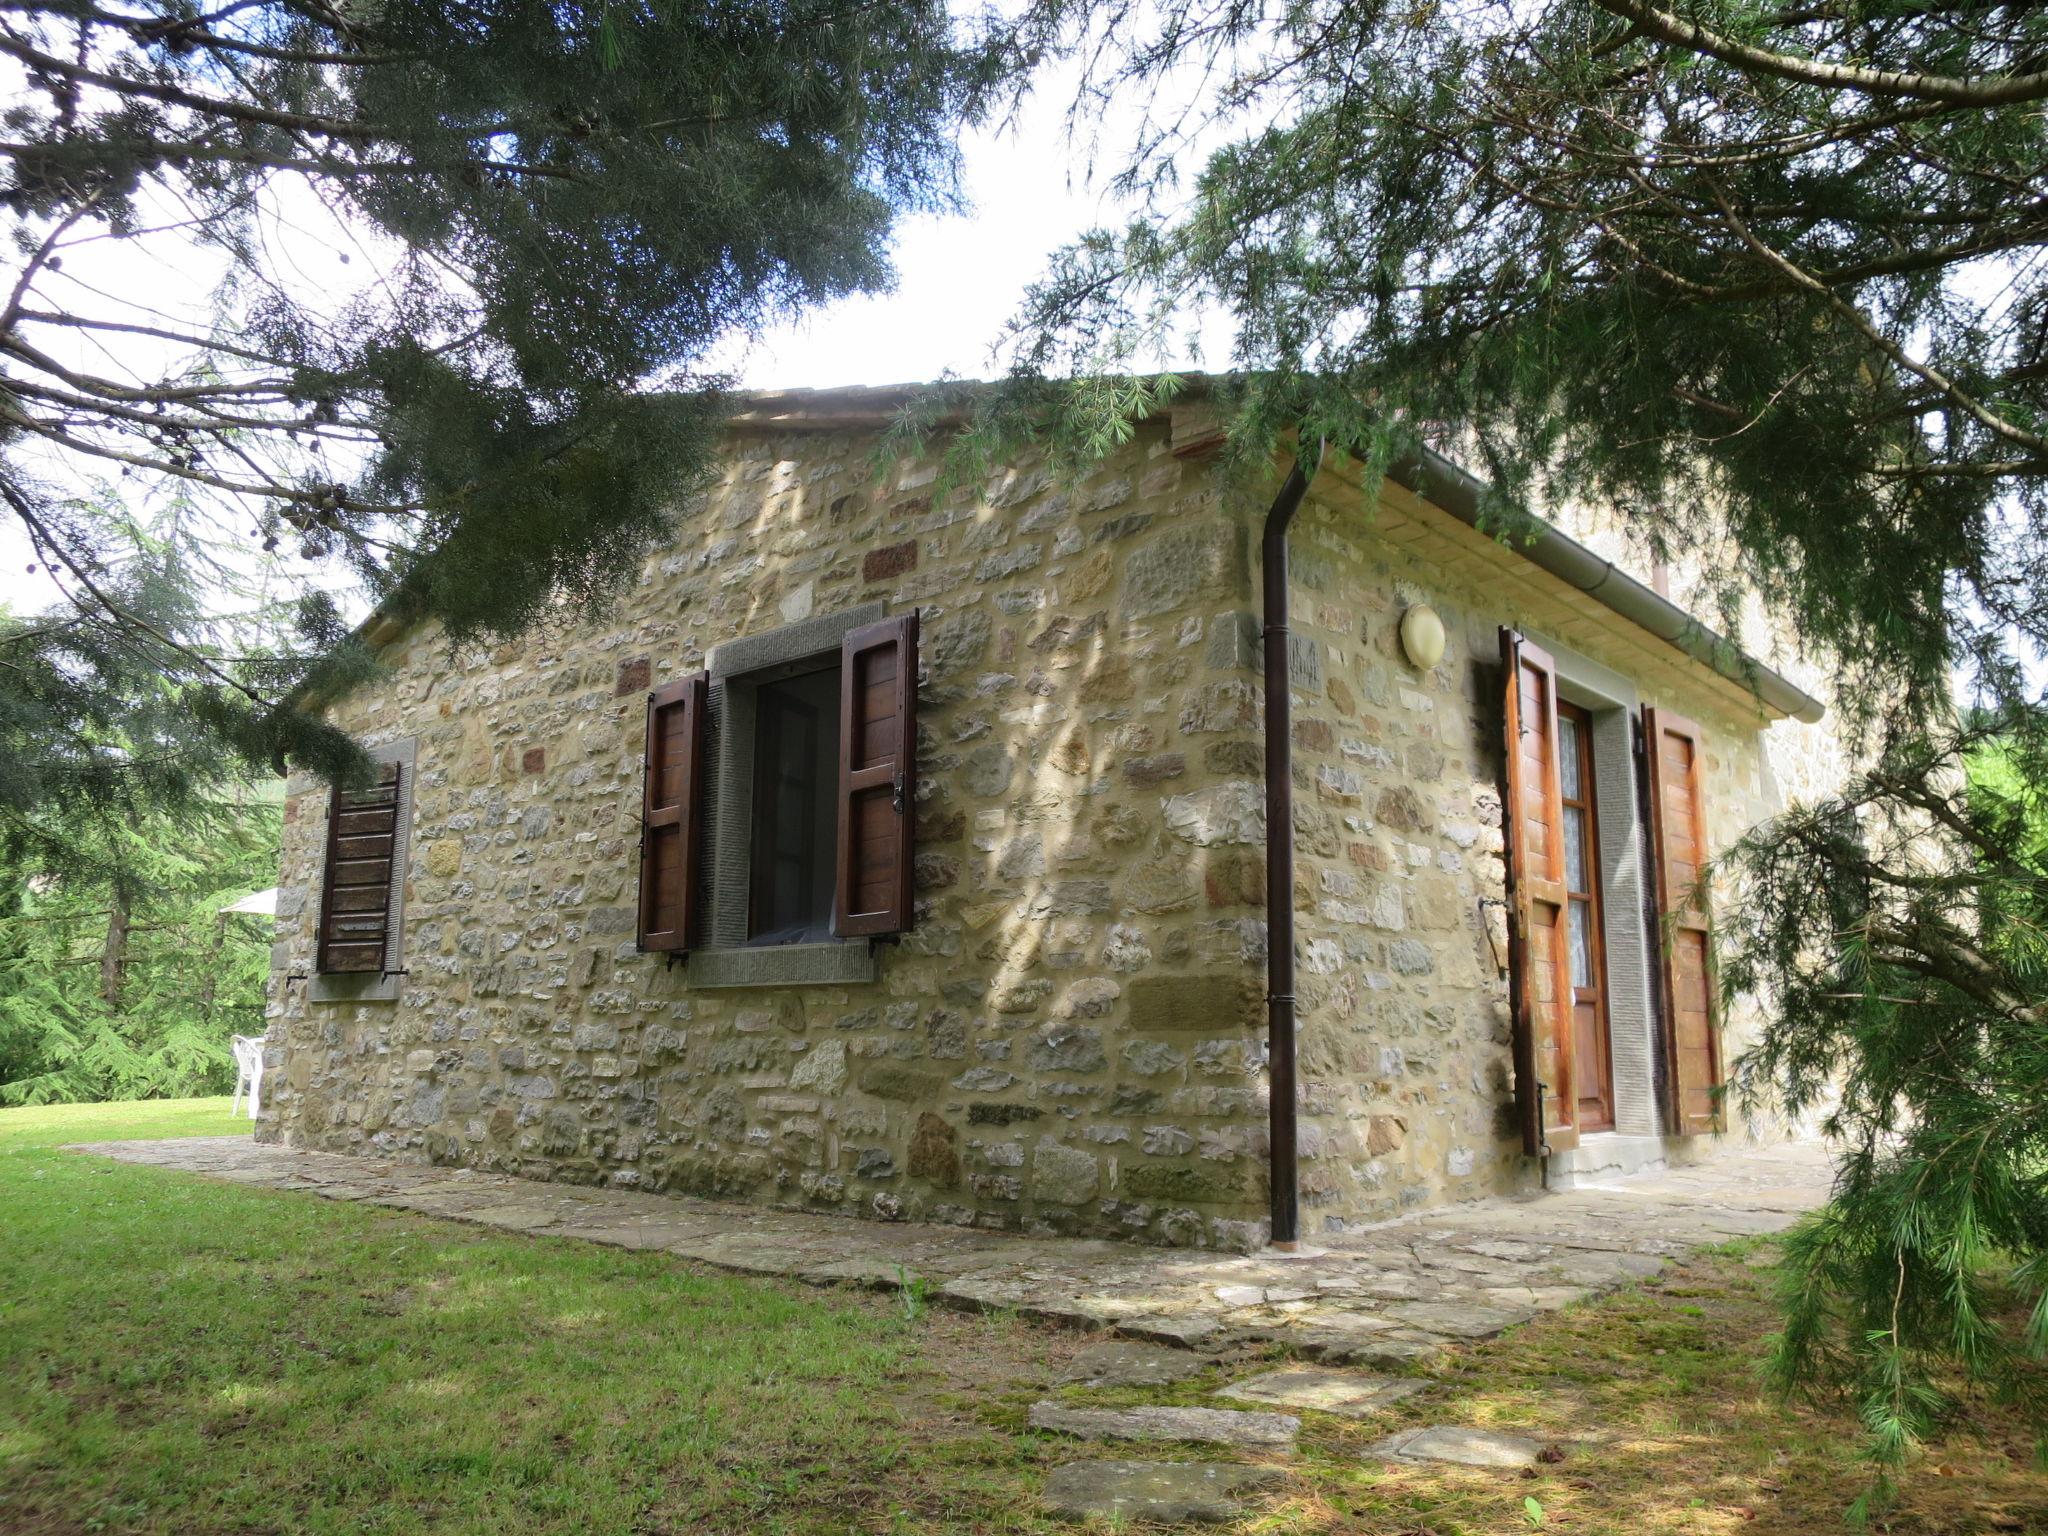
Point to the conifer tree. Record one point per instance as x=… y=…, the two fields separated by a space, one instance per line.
x=1771 y=278
x=426 y=296
x=121 y=976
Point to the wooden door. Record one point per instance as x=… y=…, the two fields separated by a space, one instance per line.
x=1692 y=1036
x=1585 y=942
x=1539 y=974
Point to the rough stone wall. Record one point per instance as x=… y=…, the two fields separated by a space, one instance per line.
x=1804 y=763
x=1071 y=1038
x=1400 y=883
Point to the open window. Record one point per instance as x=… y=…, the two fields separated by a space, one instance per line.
x=778 y=820
x=796 y=808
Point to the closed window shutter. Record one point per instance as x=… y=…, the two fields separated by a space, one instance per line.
x=670 y=816
x=877 y=777
x=1678 y=845
x=1539 y=970
x=361 y=877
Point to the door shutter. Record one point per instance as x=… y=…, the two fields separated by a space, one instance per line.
x=670 y=816
x=1678 y=844
x=1539 y=971
x=877 y=776
x=355 y=899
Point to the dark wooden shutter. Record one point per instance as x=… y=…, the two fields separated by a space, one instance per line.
x=1539 y=970
x=355 y=898
x=671 y=817
x=1678 y=847
x=877 y=777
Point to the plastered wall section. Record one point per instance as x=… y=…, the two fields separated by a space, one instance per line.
x=1071 y=1039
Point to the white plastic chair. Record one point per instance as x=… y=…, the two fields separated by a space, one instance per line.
x=248 y=1051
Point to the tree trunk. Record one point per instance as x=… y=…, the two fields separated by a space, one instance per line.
x=114 y=954
x=209 y=980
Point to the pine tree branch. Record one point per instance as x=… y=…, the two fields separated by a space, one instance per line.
x=1987 y=91
x=2034 y=442
x=39 y=258
x=176 y=154
x=131 y=328
x=211 y=106
x=50 y=547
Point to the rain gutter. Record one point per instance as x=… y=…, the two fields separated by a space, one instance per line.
x=1454 y=491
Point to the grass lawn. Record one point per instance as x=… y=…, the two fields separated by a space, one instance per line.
x=183 y=1356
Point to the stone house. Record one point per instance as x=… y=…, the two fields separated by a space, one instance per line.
x=903 y=854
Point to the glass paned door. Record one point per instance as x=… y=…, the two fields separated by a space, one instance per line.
x=1594 y=1048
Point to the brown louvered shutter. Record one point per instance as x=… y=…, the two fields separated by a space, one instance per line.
x=877 y=777
x=670 y=816
x=355 y=899
x=1678 y=844
x=1539 y=969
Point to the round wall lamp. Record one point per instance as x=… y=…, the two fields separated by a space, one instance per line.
x=1422 y=636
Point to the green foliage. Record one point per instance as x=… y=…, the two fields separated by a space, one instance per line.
x=1769 y=280
x=106 y=723
x=129 y=816
x=120 y=977
x=1781 y=298
x=474 y=263
x=1901 y=932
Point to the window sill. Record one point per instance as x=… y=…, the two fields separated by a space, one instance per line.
x=354 y=987
x=782 y=965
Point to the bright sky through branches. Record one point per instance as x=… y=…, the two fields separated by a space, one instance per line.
x=959 y=280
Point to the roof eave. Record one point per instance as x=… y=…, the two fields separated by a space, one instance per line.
x=1457 y=492
x=1449 y=488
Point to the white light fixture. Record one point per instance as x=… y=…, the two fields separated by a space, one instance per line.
x=1422 y=636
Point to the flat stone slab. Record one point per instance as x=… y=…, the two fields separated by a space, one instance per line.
x=1459 y=1445
x=1193 y=1331
x=1345 y=1393
x=1208 y=1426
x=1130 y=1363
x=1460 y=1320
x=1372 y=1349
x=1160 y=1492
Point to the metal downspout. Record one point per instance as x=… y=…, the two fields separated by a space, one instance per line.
x=1283 y=1148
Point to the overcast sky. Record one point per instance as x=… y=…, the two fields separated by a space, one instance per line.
x=959 y=278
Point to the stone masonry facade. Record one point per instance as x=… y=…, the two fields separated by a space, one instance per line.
x=1071 y=1038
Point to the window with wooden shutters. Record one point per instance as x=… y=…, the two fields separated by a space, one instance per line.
x=362 y=876
x=1539 y=901
x=777 y=810
x=1678 y=845
x=877 y=777
x=671 y=815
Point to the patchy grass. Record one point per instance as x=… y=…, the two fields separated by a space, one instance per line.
x=1648 y=1404
x=183 y=1356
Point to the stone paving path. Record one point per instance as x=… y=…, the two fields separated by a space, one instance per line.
x=1390 y=1295
x=1393 y=1293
